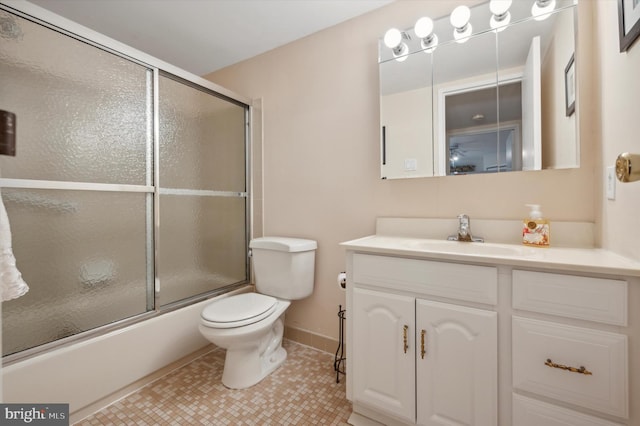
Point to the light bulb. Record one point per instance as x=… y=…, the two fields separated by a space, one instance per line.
x=499 y=7
x=429 y=44
x=460 y=16
x=401 y=52
x=542 y=8
x=392 y=38
x=460 y=20
x=500 y=22
x=501 y=16
x=461 y=36
x=424 y=31
x=423 y=27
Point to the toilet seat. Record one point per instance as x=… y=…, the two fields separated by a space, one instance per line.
x=239 y=310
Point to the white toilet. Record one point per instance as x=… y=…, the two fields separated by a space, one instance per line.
x=250 y=325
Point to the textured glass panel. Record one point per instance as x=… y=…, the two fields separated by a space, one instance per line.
x=202 y=139
x=83 y=256
x=82 y=113
x=202 y=245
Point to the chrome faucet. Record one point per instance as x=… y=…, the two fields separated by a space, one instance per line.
x=464 y=231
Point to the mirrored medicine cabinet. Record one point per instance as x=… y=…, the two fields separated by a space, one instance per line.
x=502 y=100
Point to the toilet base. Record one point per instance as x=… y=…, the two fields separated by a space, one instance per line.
x=243 y=369
x=248 y=365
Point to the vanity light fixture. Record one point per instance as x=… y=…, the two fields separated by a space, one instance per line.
x=460 y=20
x=542 y=8
x=501 y=16
x=424 y=31
x=393 y=40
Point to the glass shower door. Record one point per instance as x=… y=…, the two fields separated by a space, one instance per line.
x=203 y=195
x=78 y=190
x=128 y=193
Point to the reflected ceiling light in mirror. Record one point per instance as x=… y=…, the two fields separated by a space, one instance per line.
x=460 y=20
x=542 y=8
x=501 y=16
x=393 y=40
x=424 y=31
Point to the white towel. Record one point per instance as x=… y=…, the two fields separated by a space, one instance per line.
x=12 y=285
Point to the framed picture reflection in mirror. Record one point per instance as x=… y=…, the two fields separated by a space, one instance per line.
x=628 y=22
x=570 y=86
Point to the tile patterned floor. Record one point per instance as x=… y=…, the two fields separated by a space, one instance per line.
x=301 y=392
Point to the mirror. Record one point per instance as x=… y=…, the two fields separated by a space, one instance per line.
x=500 y=101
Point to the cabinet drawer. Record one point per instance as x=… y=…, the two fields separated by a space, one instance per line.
x=601 y=353
x=531 y=412
x=456 y=281
x=591 y=299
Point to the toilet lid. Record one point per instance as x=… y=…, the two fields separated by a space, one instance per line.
x=236 y=311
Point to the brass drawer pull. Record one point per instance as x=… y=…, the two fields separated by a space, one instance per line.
x=580 y=370
x=423 y=351
x=405 y=338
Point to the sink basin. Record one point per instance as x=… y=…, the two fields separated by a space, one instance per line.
x=480 y=249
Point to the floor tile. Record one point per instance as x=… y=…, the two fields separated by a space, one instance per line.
x=301 y=392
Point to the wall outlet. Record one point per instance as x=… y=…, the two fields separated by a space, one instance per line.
x=610 y=183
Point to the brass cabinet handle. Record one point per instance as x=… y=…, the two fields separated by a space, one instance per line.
x=405 y=329
x=580 y=369
x=422 y=349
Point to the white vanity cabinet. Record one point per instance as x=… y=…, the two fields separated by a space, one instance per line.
x=510 y=338
x=421 y=361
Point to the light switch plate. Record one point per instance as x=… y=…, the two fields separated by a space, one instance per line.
x=410 y=164
x=610 y=183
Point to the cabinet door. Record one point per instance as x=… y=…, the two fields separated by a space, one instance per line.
x=457 y=372
x=383 y=353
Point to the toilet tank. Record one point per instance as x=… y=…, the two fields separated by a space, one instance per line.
x=284 y=267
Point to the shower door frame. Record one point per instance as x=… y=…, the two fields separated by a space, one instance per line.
x=157 y=67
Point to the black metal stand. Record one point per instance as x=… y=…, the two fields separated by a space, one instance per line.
x=338 y=364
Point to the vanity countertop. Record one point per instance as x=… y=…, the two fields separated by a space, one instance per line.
x=588 y=260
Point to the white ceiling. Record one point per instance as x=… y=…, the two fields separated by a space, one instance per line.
x=202 y=36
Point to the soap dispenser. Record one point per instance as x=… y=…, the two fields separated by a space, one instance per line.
x=536 y=230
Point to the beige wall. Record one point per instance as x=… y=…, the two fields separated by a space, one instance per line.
x=321 y=151
x=618 y=89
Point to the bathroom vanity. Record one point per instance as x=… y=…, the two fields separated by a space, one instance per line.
x=453 y=333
